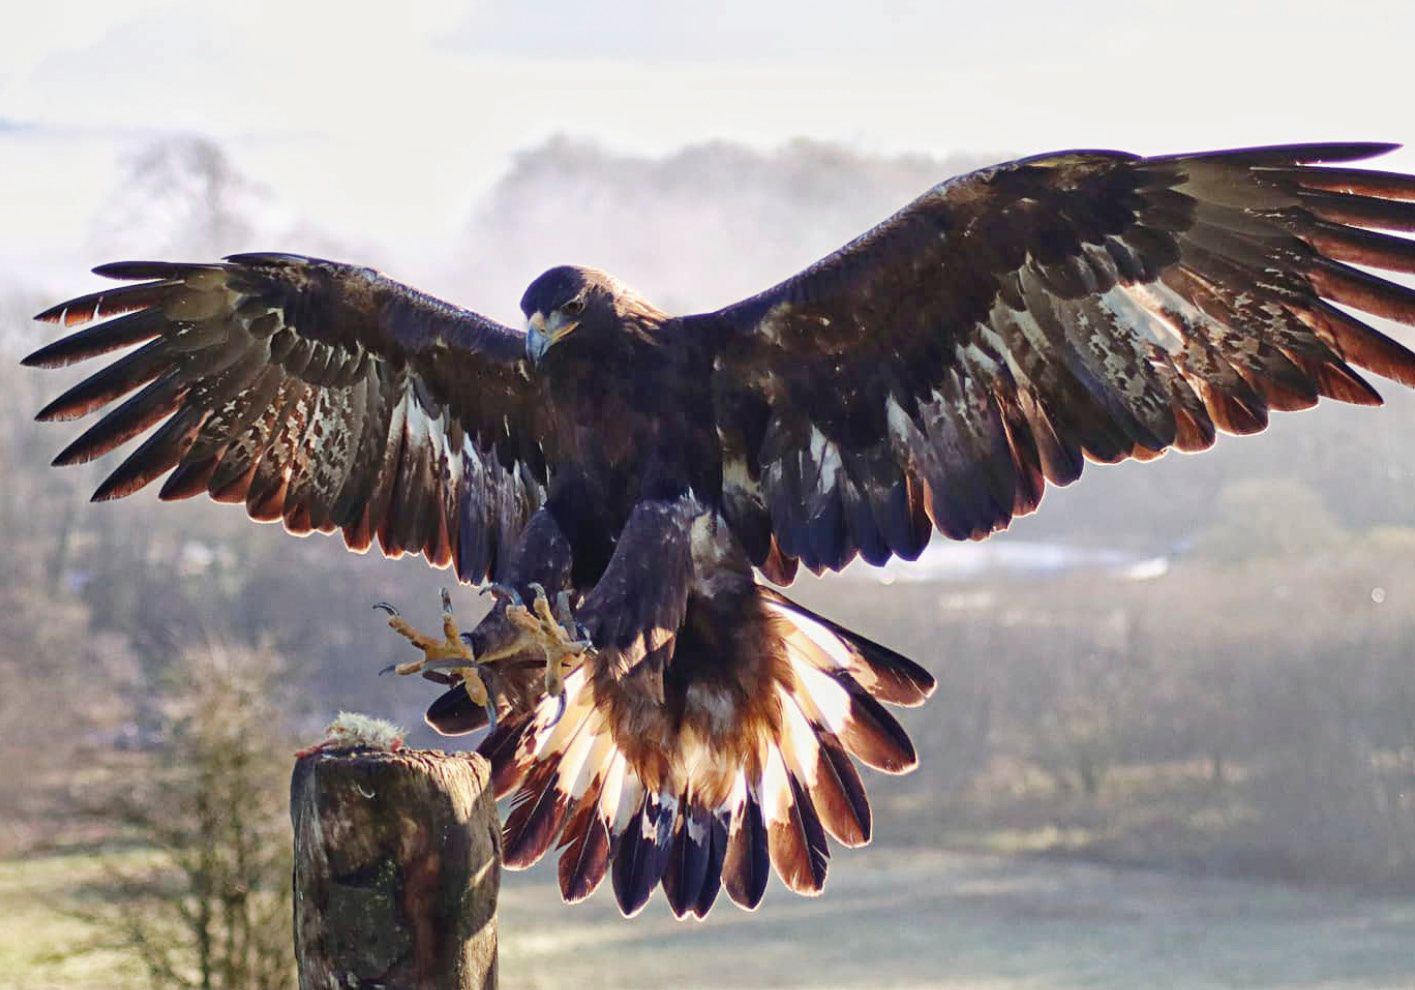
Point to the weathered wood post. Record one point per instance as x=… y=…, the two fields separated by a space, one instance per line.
x=397 y=869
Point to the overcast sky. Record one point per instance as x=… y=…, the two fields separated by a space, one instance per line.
x=385 y=120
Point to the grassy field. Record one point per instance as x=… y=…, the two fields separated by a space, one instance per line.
x=43 y=942
x=933 y=919
x=888 y=919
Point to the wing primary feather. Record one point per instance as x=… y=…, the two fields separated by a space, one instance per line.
x=453 y=713
x=1359 y=211
x=111 y=335
x=1353 y=287
x=136 y=414
x=157 y=455
x=1351 y=181
x=1362 y=247
x=133 y=271
x=1290 y=154
x=118 y=379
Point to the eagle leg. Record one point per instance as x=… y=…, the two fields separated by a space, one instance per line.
x=559 y=636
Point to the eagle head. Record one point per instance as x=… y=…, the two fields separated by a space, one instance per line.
x=593 y=305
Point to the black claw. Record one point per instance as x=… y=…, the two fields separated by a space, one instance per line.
x=490 y=709
x=385 y=607
x=562 y=608
x=446 y=601
x=503 y=592
x=388 y=670
x=559 y=710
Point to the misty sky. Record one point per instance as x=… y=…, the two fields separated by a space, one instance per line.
x=386 y=127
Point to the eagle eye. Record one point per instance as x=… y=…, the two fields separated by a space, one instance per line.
x=574 y=307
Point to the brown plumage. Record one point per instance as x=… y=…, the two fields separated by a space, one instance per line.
x=936 y=373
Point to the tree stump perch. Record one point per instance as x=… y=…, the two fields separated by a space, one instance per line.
x=397 y=870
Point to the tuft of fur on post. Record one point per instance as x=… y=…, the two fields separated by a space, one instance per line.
x=351 y=730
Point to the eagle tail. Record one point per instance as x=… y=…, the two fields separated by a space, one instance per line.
x=698 y=812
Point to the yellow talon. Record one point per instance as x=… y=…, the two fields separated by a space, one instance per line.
x=435 y=651
x=551 y=629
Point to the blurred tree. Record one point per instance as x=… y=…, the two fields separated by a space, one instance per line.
x=205 y=899
x=178 y=197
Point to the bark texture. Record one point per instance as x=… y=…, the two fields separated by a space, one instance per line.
x=397 y=870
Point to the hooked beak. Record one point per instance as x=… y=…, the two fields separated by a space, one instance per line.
x=542 y=335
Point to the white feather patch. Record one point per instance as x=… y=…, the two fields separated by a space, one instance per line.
x=822 y=693
x=631 y=794
x=574 y=758
x=798 y=741
x=595 y=765
x=776 y=795
x=613 y=788
x=1140 y=309
x=825 y=455
x=820 y=635
x=650 y=825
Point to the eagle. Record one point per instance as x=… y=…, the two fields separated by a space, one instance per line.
x=635 y=487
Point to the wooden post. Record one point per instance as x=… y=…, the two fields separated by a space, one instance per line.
x=397 y=869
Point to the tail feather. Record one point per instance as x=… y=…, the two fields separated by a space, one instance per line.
x=500 y=747
x=642 y=852
x=814 y=759
x=589 y=837
x=712 y=875
x=585 y=860
x=817 y=760
x=889 y=676
x=537 y=814
x=688 y=860
x=537 y=818
x=795 y=838
x=747 y=863
x=835 y=703
x=718 y=796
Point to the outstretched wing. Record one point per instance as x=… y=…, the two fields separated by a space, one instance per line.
x=317 y=393
x=1013 y=321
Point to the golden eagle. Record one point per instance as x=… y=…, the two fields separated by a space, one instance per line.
x=623 y=475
